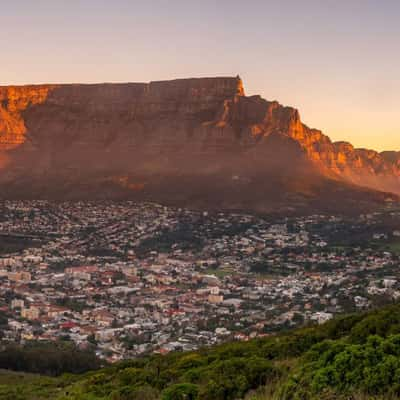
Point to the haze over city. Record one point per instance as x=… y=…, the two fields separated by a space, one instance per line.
x=336 y=61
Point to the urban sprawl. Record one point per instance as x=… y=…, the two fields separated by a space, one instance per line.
x=128 y=279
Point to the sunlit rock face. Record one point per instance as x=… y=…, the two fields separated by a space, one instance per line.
x=253 y=119
x=392 y=157
x=59 y=137
x=13 y=102
x=108 y=117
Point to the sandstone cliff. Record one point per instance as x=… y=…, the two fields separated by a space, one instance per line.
x=137 y=133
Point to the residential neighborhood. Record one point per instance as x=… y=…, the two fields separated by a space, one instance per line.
x=133 y=278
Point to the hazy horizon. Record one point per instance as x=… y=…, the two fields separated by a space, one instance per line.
x=334 y=61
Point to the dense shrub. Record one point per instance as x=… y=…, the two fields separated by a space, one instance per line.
x=342 y=367
x=181 y=391
x=48 y=358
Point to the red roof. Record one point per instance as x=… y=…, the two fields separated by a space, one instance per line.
x=68 y=325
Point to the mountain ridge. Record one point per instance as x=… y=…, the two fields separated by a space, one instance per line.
x=134 y=132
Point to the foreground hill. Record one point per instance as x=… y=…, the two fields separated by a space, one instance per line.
x=353 y=357
x=192 y=142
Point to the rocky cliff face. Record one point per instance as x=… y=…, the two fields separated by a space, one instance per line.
x=13 y=101
x=58 y=134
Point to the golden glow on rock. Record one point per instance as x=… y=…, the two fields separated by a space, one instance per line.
x=124 y=182
x=14 y=100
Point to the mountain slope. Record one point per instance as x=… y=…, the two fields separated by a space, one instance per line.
x=351 y=357
x=200 y=140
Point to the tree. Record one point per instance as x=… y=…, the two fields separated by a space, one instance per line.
x=181 y=391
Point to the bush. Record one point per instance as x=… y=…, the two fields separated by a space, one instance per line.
x=181 y=391
x=48 y=358
x=344 y=367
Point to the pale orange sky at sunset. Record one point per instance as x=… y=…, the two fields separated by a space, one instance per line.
x=336 y=61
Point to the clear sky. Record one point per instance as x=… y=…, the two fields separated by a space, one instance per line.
x=337 y=61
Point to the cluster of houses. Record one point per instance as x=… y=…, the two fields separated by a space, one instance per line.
x=128 y=279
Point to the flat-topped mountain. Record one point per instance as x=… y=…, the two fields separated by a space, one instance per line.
x=201 y=142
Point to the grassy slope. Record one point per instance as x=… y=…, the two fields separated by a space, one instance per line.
x=353 y=357
x=17 y=385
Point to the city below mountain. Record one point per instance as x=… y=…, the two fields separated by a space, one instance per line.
x=194 y=238
x=190 y=142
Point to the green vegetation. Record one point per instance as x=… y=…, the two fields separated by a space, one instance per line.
x=266 y=270
x=166 y=239
x=50 y=359
x=219 y=272
x=11 y=244
x=372 y=367
x=352 y=357
x=393 y=246
x=21 y=386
